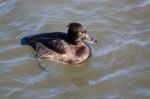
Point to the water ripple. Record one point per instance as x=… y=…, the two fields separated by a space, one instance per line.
x=7 y=6
x=141 y=91
x=10 y=90
x=16 y=60
x=31 y=79
x=6 y=48
x=110 y=76
x=94 y=1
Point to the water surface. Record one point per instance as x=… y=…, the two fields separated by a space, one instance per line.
x=118 y=69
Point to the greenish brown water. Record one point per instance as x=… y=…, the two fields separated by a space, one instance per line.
x=118 y=69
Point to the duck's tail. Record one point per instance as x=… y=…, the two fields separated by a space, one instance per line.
x=25 y=40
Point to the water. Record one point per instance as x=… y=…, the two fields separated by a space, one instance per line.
x=118 y=69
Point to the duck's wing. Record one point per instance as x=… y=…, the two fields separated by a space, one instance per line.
x=33 y=39
x=55 y=35
x=58 y=45
x=45 y=53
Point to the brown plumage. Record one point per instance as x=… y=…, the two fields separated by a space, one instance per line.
x=69 y=48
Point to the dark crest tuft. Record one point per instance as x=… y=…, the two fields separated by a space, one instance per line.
x=74 y=24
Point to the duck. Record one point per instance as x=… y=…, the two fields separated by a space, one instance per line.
x=71 y=47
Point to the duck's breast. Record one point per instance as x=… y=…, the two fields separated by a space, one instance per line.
x=80 y=54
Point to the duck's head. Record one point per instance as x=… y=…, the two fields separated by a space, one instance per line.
x=77 y=33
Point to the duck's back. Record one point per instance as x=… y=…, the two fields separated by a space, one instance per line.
x=60 y=35
x=44 y=38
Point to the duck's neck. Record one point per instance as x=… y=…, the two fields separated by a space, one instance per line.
x=72 y=37
x=73 y=42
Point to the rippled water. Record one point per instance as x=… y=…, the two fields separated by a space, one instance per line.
x=118 y=69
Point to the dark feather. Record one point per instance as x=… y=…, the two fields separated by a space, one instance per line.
x=55 y=41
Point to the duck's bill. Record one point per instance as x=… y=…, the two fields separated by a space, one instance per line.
x=90 y=39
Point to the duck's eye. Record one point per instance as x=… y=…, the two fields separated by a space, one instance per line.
x=80 y=33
